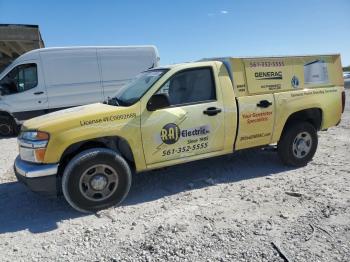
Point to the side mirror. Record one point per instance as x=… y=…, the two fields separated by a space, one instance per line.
x=158 y=101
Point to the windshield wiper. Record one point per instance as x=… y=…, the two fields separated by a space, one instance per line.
x=112 y=101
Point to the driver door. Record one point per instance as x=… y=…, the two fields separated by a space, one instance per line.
x=191 y=125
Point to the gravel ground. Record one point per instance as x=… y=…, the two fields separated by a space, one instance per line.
x=242 y=207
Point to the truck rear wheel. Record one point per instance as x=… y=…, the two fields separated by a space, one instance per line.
x=96 y=179
x=8 y=126
x=298 y=144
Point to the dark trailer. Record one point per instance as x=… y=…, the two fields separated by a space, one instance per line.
x=16 y=40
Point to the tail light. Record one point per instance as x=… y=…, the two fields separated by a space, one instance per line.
x=343 y=101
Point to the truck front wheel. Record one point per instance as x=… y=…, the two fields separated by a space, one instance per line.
x=298 y=144
x=96 y=179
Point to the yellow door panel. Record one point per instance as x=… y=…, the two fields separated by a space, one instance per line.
x=192 y=124
x=256 y=120
x=180 y=132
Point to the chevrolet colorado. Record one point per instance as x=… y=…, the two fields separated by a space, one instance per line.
x=179 y=113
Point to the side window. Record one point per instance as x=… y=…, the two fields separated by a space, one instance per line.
x=191 y=86
x=19 y=79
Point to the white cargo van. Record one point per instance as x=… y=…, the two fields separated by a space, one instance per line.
x=49 y=79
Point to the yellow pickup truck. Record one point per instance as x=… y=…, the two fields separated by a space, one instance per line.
x=179 y=113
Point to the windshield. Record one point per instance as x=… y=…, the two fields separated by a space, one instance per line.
x=136 y=88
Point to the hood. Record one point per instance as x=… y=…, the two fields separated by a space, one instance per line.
x=88 y=115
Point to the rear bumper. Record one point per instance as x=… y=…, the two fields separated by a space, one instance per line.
x=38 y=178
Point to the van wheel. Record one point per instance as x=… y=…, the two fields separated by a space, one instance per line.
x=96 y=179
x=8 y=126
x=298 y=144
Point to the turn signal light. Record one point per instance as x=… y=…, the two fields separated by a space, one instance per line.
x=40 y=154
x=42 y=135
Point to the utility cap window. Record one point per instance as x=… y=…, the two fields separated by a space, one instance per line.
x=19 y=79
x=190 y=86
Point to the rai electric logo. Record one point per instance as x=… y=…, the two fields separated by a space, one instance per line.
x=170 y=133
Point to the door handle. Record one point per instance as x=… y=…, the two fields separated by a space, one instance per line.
x=264 y=104
x=39 y=93
x=212 y=111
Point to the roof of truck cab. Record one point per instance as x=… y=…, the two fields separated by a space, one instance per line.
x=171 y=66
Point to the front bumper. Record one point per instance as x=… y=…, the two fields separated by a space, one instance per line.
x=40 y=178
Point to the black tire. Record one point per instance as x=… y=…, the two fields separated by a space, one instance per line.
x=293 y=149
x=78 y=192
x=8 y=126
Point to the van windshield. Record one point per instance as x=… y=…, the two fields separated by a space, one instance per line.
x=136 y=88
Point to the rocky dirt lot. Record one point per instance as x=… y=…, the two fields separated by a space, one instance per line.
x=242 y=207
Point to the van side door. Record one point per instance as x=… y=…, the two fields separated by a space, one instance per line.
x=72 y=77
x=192 y=125
x=23 y=91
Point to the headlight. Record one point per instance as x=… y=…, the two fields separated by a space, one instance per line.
x=32 y=145
x=34 y=136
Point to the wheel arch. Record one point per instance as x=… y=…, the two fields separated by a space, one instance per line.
x=115 y=143
x=312 y=115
